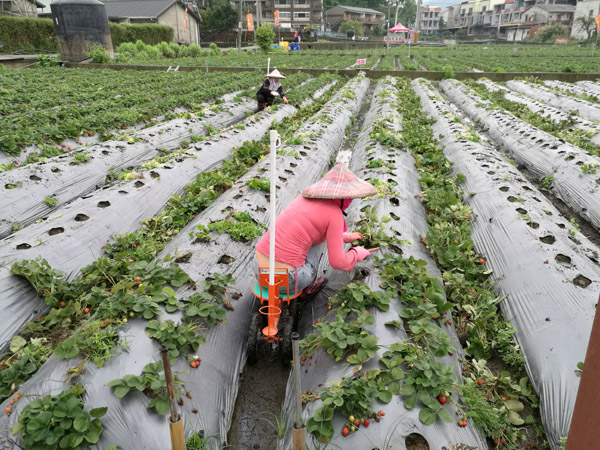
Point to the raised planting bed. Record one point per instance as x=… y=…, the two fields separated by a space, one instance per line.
x=564 y=102
x=574 y=90
x=542 y=266
x=47 y=106
x=561 y=165
x=213 y=387
x=361 y=348
x=589 y=85
x=67 y=177
x=562 y=123
x=119 y=208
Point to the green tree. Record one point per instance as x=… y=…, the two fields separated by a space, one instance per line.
x=442 y=23
x=352 y=25
x=220 y=16
x=407 y=12
x=586 y=24
x=378 y=30
x=263 y=36
x=551 y=32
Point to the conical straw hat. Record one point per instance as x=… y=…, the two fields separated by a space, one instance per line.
x=275 y=74
x=339 y=182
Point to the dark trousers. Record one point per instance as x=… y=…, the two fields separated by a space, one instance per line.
x=262 y=99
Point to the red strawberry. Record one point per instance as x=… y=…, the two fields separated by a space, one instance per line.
x=366 y=423
x=381 y=413
x=345 y=431
x=62 y=304
x=356 y=422
x=482 y=261
x=479 y=381
x=442 y=400
x=137 y=279
x=86 y=310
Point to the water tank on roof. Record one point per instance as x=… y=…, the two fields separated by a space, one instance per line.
x=78 y=25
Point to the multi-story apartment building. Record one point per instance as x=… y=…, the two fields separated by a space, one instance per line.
x=429 y=19
x=292 y=13
x=513 y=20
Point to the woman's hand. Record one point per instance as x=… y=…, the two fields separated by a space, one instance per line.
x=351 y=237
x=285 y=100
x=361 y=252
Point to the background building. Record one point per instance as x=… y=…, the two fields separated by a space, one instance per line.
x=20 y=8
x=178 y=14
x=429 y=20
x=368 y=17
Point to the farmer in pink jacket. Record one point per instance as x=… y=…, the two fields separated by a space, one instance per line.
x=312 y=218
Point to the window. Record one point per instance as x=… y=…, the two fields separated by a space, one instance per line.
x=300 y=2
x=283 y=2
x=285 y=15
x=483 y=9
x=591 y=13
x=301 y=15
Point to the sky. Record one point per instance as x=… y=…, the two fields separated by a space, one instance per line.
x=441 y=3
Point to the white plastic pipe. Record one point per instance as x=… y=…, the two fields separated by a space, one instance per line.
x=272 y=200
x=268 y=65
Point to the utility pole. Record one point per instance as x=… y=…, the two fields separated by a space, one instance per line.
x=239 y=39
x=418 y=18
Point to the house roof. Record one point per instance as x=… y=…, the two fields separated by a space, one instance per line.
x=356 y=9
x=140 y=9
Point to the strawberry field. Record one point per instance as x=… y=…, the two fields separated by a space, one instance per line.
x=132 y=202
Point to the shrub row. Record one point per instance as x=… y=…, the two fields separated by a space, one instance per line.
x=32 y=33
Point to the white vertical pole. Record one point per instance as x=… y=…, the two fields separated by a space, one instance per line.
x=268 y=65
x=272 y=200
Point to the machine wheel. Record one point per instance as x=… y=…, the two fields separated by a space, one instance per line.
x=254 y=338
x=285 y=346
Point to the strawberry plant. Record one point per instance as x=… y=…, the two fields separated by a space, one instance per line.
x=372 y=228
x=59 y=422
x=340 y=337
x=175 y=337
x=152 y=383
x=241 y=227
x=96 y=340
x=357 y=297
x=351 y=396
x=259 y=184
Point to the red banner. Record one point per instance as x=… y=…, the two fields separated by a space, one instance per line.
x=185 y=19
x=250 y=22
x=276 y=15
x=598 y=23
